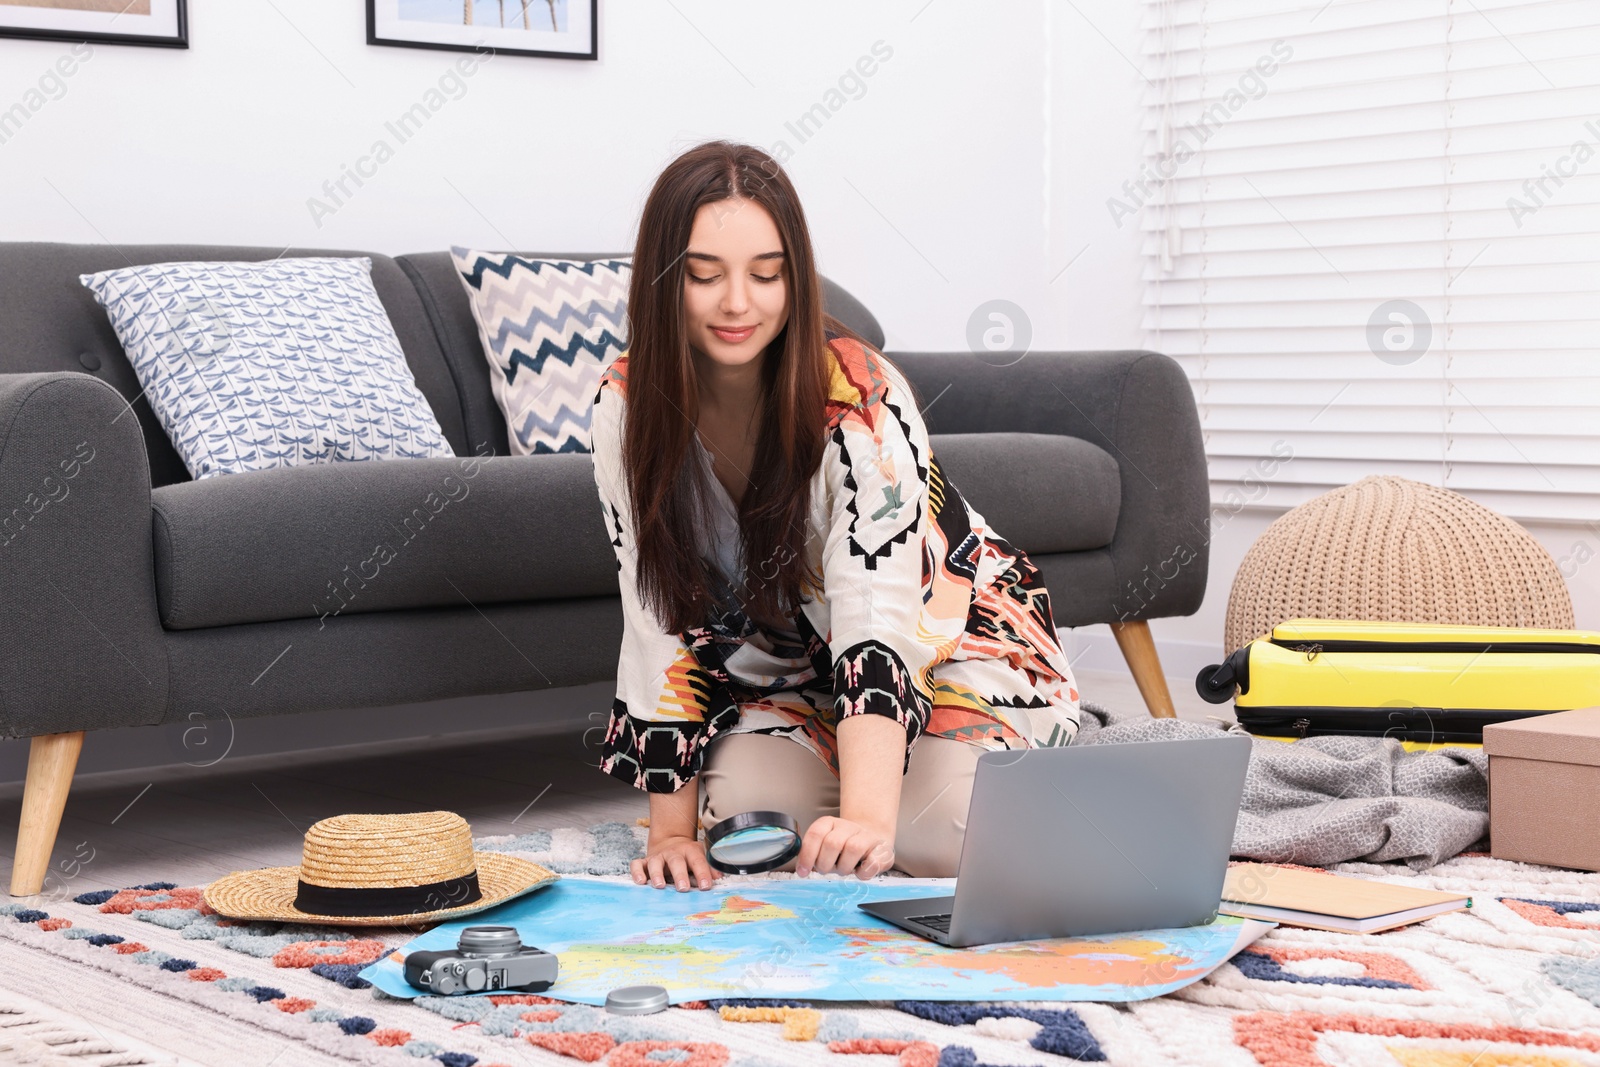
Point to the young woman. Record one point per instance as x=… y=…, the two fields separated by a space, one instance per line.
x=815 y=622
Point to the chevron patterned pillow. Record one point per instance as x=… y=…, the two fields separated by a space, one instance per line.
x=251 y=366
x=549 y=328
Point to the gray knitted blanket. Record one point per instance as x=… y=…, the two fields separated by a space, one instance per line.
x=1325 y=800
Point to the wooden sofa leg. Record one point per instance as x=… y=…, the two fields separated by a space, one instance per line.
x=1139 y=649
x=51 y=761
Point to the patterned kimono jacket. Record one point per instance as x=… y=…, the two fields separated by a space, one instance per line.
x=924 y=613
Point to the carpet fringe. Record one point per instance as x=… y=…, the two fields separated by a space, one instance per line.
x=30 y=1039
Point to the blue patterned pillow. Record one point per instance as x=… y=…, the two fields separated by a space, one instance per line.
x=251 y=366
x=549 y=328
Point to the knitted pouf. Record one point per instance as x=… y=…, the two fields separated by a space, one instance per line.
x=1389 y=549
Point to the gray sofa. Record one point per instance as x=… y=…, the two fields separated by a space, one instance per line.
x=135 y=596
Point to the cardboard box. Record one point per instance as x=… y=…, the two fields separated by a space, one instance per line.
x=1544 y=789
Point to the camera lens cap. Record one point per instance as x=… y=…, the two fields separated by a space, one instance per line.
x=636 y=1000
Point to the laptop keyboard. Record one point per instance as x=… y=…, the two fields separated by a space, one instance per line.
x=940 y=923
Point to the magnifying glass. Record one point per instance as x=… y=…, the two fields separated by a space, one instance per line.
x=752 y=842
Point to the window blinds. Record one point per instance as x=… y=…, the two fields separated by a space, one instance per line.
x=1371 y=234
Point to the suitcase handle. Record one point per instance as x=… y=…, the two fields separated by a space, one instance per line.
x=1220 y=682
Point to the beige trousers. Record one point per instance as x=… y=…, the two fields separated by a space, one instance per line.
x=763 y=772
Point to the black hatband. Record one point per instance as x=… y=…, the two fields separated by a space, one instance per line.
x=388 y=900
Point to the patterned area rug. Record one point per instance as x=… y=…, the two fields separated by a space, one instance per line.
x=1513 y=981
x=32 y=1035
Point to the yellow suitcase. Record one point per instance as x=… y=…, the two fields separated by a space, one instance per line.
x=1413 y=681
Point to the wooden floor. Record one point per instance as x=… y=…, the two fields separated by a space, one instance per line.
x=190 y=826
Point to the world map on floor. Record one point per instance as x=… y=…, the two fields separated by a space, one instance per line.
x=809 y=940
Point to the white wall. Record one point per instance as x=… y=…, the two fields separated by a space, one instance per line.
x=936 y=168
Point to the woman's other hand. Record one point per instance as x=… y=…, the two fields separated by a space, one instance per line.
x=840 y=846
x=674 y=850
x=683 y=859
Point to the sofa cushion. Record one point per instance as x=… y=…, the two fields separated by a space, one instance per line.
x=324 y=541
x=255 y=366
x=1042 y=492
x=52 y=323
x=320 y=542
x=548 y=327
x=438 y=285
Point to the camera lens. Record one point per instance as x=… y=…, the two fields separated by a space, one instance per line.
x=490 y=940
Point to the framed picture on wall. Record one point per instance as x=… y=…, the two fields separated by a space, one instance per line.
x=163 y=23
x=558 y=29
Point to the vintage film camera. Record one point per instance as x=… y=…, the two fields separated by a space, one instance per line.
x=485 y=958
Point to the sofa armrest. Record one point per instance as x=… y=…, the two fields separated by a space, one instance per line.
x=1137 y=406
x=83 y=644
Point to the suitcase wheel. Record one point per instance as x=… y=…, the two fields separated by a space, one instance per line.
x=1220 y=682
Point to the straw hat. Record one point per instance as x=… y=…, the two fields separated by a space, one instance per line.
x=379 y=870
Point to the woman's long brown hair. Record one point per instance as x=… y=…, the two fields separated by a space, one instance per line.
x=667 y=485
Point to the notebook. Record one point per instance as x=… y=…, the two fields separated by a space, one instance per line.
x=1329 y=901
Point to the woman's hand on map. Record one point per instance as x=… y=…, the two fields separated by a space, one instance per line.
x=683 y=859
x=840 y=846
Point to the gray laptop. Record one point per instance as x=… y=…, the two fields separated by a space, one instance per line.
x=1090 y=839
